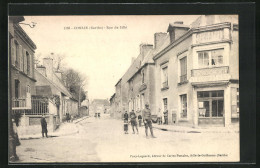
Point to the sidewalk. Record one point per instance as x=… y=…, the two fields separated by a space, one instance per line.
x=186 y=129
x=65 y=128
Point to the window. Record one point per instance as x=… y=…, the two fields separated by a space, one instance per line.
x=17 y=88
x=183 y=106
x=165 y=102
x=16 y=54
x=210 y=58
x=164 y=77
x=183 y=68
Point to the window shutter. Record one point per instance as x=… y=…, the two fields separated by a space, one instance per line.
x=24 y=61
x=31 y=65
x=13 y=52
x=21 y=57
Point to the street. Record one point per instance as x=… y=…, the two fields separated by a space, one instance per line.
x=103 y=140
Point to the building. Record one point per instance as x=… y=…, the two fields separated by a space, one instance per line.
x=197 y=77
x=49 y=84
x=140 y=78
x=21 y=51
x=99 y=107
x=112 y=105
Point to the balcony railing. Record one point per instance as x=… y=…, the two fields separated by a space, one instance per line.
x=19 y=103
x=209 y=71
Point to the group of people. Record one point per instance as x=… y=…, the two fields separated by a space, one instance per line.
x=165 y=115
x=147 y=119
x=69 y=118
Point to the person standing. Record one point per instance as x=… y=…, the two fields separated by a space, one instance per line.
x=159 y=117
x=140 y=120
x=126 y=122
x=165 y=117
x=44 y=126
x=147 y=120
x=133 y=121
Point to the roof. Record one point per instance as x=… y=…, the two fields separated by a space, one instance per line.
x=118 y=81
x=22 y=33
x=171 y=25
x=101 y=101
x=61 y=89
x=44 y=90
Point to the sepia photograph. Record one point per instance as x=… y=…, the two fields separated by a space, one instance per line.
x=123 y=88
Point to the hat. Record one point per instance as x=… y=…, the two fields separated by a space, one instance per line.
x=146 y=104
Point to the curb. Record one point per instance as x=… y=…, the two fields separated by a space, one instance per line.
x=195 y=131
x=53 y=134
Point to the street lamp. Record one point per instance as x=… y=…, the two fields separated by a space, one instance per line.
x=31 y=26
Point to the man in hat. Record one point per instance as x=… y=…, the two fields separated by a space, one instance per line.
x=147 y=120
x=44 y=126
x=133 y=121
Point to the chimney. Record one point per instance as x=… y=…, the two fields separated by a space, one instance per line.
x=159 y=38
x=176 y=30
x=48 y=63
x=133 y=59
x=41 y=69
x=58 y=73
x=145 y=48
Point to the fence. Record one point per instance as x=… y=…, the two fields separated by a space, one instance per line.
x=19 y=103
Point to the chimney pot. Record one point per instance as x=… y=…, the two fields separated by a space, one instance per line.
x=178 y=22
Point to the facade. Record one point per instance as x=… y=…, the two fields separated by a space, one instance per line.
x=49 y=81
x=112 y=105
x=141 y=81
x=119 y=111
x=192 y=72
x=21 y=52
x=201 y=67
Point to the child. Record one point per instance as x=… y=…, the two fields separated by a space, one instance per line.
x=126 y=126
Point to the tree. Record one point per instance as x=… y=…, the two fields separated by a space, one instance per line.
x=75 y=82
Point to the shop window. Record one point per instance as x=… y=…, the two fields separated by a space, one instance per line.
x=217 y=108
x=183 y=106
x=207 y=59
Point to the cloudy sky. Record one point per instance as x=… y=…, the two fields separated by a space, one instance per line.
x=102 y=55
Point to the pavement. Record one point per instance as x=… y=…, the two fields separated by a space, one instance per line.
x=103 y=140
x=66 y=128
x=234 y=128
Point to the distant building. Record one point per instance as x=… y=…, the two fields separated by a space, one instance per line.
x=99 y=106
x=112 y=105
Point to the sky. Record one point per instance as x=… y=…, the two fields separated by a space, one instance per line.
x=102 y=55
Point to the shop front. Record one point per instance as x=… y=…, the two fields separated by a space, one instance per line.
x=211 y=108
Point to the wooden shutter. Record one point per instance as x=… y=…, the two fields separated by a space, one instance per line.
x=31 y=65
x=13 y=51
x=24 y=61
x=21 y=57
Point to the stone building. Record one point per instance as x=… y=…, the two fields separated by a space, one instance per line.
x=99 y=107
x=112 y=105
x=197 y=77
x=21 y=52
